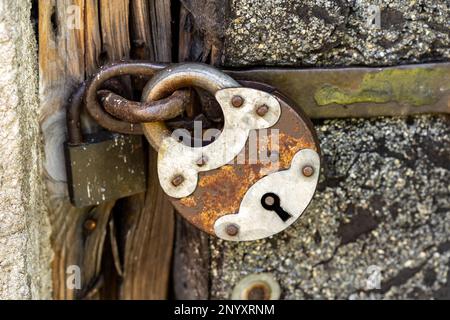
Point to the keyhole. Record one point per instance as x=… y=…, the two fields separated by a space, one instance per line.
x=272 y=202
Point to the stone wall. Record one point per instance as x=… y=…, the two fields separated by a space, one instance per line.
x=24 y=229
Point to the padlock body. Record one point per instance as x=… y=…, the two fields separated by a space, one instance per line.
x=107 y=166
x=220 y=192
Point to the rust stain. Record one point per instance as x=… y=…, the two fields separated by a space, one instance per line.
x=223 y=173
x=189 y=202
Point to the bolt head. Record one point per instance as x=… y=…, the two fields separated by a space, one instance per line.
x=202 y=161
x=237 y=101
x=262 y=110
x=258 y=291
x=308 y=171
x=178 y=180
x=261 y=286
x=232 y=230
x=90 y=225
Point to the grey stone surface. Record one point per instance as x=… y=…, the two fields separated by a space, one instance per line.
x=330 y=33
x=384 y=199
x=25 y=253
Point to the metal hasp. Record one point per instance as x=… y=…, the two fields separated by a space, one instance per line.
x=103 y=166
x=360 y=92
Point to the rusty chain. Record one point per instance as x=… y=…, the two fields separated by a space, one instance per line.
x=111 y=110
x=142 y=112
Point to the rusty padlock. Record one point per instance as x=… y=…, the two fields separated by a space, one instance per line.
x=102 y=166
x=220 y=187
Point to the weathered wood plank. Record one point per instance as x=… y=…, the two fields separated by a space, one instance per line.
x=114 y=20
x=148 y=244
x=207 y=20
x=142 y=47
x=191 y=263
x=190 y=46
x=65 y=26
x=161 y=28
x=93 y=39
x=61 y=52
x=115 y=45
x=55 y=76
x=146 y=228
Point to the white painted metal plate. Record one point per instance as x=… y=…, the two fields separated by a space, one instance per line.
x=175 y=158
x=294 y=190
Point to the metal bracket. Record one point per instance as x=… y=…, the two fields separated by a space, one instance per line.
x=360 y=92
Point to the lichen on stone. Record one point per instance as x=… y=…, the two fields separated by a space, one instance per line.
x=417 y=87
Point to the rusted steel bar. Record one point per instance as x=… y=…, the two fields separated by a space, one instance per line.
x=141 y=112
x=360 y=92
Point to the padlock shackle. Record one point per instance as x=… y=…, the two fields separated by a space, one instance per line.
x=180 y=76
x=107 y=72
x=75 y=108
x=138 y=112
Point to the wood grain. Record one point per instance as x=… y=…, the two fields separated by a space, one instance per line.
x=148 y=234
x=67 y=56
x=139 y=235
x=161 y=29
x=62 y=68
x=142 y=38
x=191 y=266
x=206 y=20
x=114 y=21
x=93 y=38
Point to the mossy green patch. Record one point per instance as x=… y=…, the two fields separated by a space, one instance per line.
x=415 y=86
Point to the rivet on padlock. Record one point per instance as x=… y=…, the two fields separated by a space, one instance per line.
x=103 y=166
x=238 y=201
